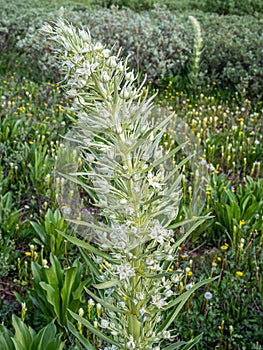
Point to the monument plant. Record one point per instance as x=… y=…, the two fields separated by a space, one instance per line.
x=131 y=250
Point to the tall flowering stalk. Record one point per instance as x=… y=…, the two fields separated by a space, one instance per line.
x=132 y=256
x=197 y=53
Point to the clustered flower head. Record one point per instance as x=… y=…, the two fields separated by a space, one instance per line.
x=119 y=142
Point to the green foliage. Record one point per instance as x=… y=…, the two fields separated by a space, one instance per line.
x=228 y=130
x=231 y=44
x=25 y=338
x=137 y=196
x=231 y=51
x=225 y=7
x=57 y=290
x=48 y=232
x=238 y=211
x=9 y=221
x=228 y=312
x=132 y=4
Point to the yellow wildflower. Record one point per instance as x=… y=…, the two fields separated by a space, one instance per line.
x=242 y=222
x=239 y=273
x=225 y=246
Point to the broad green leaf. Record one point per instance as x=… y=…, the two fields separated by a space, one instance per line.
x=44 y=337
x=168 y=155
x=39 y=230
x=5 y=339
x=90 y=225
x=23 y=334
x=244 y=202
x=91 y=265
x=188 y=221
x=187 y=345
x=56 y=272
x=160 y=275
x=251 y=210
x=177 y=345
x=164 y=122
x=66 y=291
x=187 y=234
x=53 y=297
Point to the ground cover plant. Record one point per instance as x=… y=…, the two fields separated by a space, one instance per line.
x=223 y=179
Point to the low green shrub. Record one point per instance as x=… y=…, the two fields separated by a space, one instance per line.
x=231 y=54
x=237 y=7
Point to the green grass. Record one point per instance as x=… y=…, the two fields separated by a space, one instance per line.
x=34 y=118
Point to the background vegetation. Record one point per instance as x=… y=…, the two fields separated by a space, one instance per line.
x=223 y=107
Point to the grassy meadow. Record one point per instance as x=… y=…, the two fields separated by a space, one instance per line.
x=214 y=84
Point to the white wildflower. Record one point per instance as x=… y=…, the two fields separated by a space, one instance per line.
x=111 y=62
x=105 y=78
x=126 y=271
x=98 y=46
x=208 y=295
x=188 y=286
x=130 y=344
x=158 y=301
x=156 y=180
x=166 y=335
x=106 y=53
x=104 y=323
x=159 y=233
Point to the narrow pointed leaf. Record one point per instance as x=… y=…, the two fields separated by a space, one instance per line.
x=89 y=247
x=187 y=345
x=94 y=330
x=181 y=300
x=80 y=337
x=104 y=303
x=188 y=221
x=107 y=284
x=192 y=342
x=167 y=156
